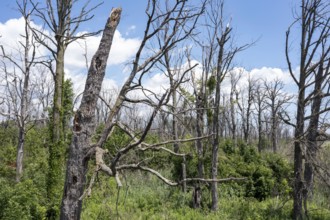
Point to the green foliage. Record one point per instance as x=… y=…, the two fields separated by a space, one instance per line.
x=21 y=201
x=264 y=195
x=60 y=136
x=268 y=175
x=187 y=95
x=211 y=83
x=116 y=141
x=8 y=140
x=26 y=199
x=145 y=197
x=67 y=107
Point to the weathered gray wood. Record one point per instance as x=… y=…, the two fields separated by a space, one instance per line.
x=84 y=124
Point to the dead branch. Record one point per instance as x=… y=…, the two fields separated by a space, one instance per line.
x=156 y=146
x=173 y=183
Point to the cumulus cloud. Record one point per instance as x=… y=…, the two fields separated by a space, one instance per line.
x=121 y=51
x=266 y=74
x=269 y=74
x=12 y=33
x=123 y=48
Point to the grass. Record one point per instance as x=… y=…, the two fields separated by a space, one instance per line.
x=146 y=198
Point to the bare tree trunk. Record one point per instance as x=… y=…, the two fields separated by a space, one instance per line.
x=298 y=160
x=24 y=108
x=197 y=195
x=215 y=142
x=174 y=121
x=314 y=33
x=274 y=131
x=298 y=145
x=84 y=124
x=259 y=108
x=234 y=101
x=20 y=153
x=22 y=118
x=232 y=113
x=199 y=129
x=312 y=133
x=260 y=136
x=246 y=129
x=184 y=175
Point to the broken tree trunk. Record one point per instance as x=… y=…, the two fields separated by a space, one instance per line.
x=84 y=124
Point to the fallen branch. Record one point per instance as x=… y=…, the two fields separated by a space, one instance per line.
x=213 y=180
x=162 y=148
x=173 y=183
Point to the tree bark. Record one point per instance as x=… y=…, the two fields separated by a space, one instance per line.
x=299 y=135
x=215 y=129
x=259 y=109
x=197 y=193
x=274 y=129
x=84 y=124
x=232 y=115
x=312 y=133
x=20 y=153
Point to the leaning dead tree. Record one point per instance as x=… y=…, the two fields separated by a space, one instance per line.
x=180 y=20
x=84 y=124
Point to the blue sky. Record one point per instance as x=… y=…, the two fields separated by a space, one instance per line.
x=263 y=20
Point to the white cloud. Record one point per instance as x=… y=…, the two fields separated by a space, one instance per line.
x=12 y=32
x=269 y=74
x=158 y=83
x=122 y=48
x=121 y=51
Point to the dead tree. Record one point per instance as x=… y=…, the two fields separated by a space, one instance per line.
x=218 y=53
x=245 y=107
x=174 y=68
x=314 y=50
x=233 y=101
x=182 y=20
x=316 y=130
x=18 y=84
x=84 y=124
x=259 y=109
x=200 y=106
x=275 y=101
